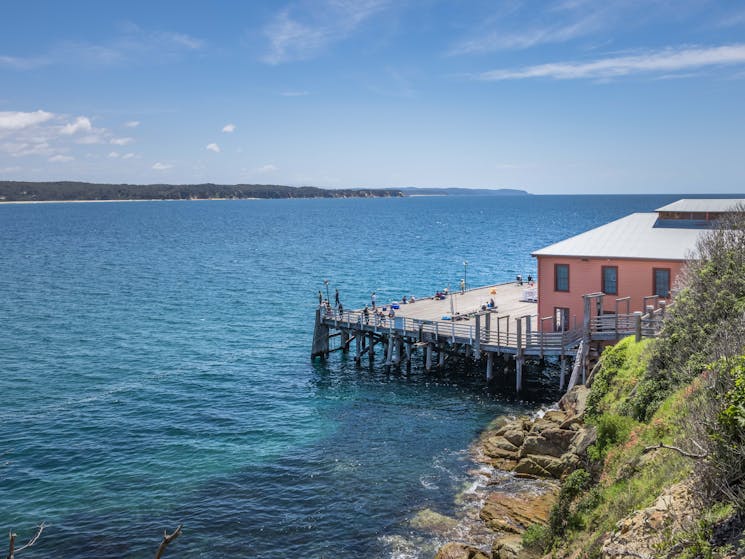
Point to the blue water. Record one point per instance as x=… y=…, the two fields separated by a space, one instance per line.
x=154 y=369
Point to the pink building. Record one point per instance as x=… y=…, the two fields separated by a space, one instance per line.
x=634 y=261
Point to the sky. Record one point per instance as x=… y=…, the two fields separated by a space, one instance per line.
x=554 y=97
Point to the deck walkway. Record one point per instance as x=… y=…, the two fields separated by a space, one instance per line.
x=458 y=326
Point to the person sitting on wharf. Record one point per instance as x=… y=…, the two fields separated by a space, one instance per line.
x=412 y=299
x=391 y=313
x=366 y=313
x=491 y=303
x=403 y=299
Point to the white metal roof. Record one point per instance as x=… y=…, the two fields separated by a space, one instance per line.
x=633 y=236
x=702 y=205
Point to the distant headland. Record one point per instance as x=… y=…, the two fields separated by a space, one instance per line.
x=17 y=191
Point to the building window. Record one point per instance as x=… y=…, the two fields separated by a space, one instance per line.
x=661 y=282
x=610 y=280
x=561 y=277
x=561 y=319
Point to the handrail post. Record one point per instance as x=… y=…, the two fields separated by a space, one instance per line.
x=638 y=325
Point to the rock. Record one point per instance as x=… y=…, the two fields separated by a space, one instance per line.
x=514 y=512
x=583 y=439
x=428 y=520
x=555 y=416
x=507 y=547
x=499 y=447
x=515 y=436
x=527 y=467
x=641 y=533
x=457 y=550
x=574 y=402
x=514 y=425
x=551 y=442
x=505 y=464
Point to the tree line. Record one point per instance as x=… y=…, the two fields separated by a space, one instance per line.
x=17 y=191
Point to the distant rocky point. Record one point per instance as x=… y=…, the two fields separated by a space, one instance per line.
x=454 y=191
x=17 y=191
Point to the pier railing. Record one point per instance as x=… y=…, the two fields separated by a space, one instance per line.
x=499 y=335
x=616 y=326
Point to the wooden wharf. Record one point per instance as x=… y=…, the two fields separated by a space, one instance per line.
x=460 y=326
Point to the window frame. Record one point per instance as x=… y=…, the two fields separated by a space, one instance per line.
x=556 y=278
x=654 y=282
x=602 y=279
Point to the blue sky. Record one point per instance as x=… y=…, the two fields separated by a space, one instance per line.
x=571 y=96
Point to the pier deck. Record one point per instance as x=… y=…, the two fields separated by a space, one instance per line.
x=458 y=326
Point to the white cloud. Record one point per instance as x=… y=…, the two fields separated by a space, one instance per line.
x=213 y=147
x=132 y=124
x=91 y=139
x=128 y=155
x=60 y=158
x=229 y=128
x=81 y=124
x=267 y=169
x=513 y=26
x=162 y=166
x=131 y=45
x=114 y=155
x=121 y=141
x=16 y=120
x=13 y=169
x=663 y=61
x=328 y=22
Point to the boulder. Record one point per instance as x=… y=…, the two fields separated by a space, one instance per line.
x=515 y=436
x=574 y=402
x=507 y=547
x=500 y=448
x=555 y=416
x=583 y=439
x=551 y=442
x=514 y=512
x=457 y=550
x=433 y=522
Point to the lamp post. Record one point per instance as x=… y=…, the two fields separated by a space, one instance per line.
x=465 y=275
x=326 y=283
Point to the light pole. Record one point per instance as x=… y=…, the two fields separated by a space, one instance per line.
x=465 y=275
x=326 y=283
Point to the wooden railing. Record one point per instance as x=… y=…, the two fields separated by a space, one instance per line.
x=502 y=335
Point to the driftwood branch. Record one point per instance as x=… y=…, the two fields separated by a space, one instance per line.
x=12 y=549
x=678 y=450
x=168 y=538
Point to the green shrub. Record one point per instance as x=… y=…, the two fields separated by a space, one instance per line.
x=561 y=518
x=612 y=429
x=536 y=539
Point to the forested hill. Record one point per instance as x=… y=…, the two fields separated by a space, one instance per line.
x=11 y=191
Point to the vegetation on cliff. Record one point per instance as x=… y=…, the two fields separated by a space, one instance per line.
x=651 y=456
x=666 y=475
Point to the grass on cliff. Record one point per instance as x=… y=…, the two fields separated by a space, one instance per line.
x=621 y=477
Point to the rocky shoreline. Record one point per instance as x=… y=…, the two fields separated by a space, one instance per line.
x=526 y=458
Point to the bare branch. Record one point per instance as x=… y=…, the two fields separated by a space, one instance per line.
x=33 y=540
x=12 y=548
x=676 y=449
x=168 y=538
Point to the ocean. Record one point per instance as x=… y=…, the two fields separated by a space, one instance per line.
x=155 y=370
